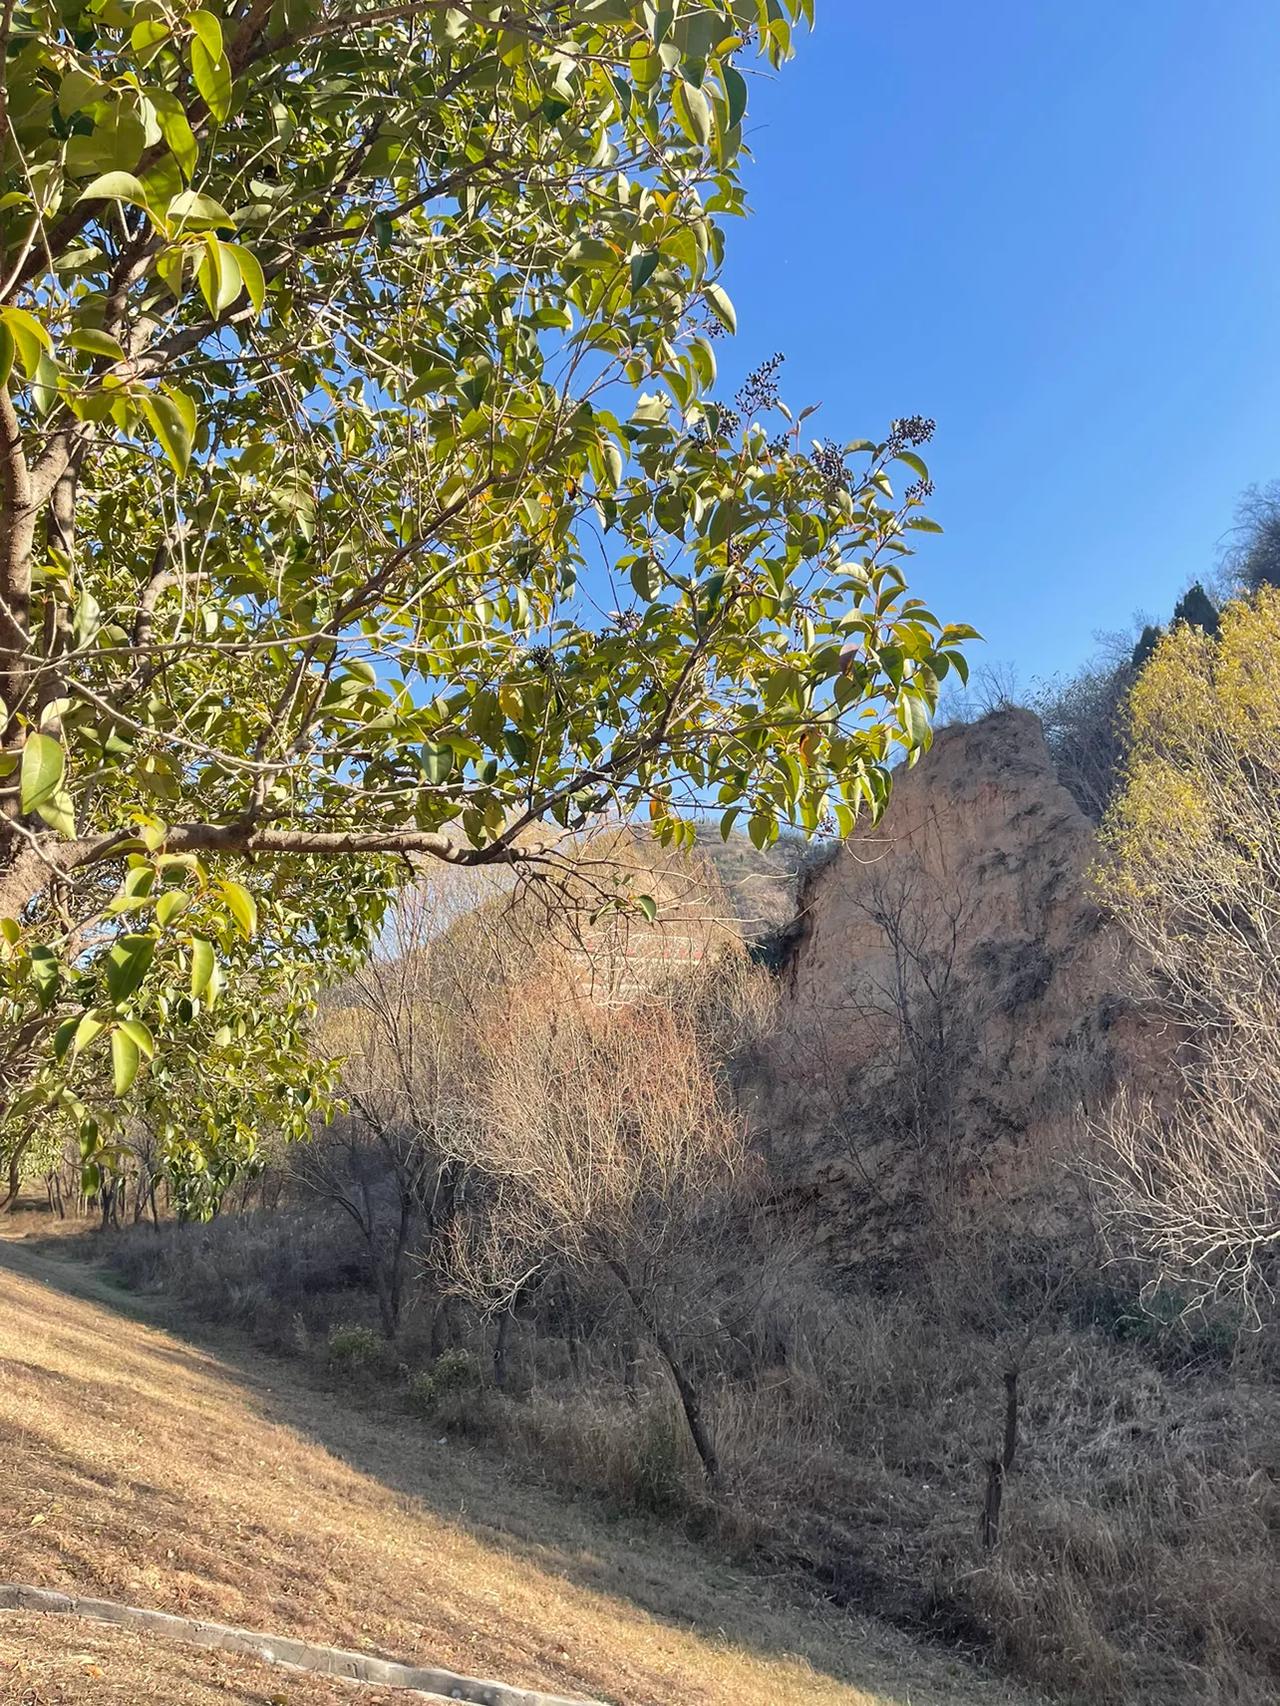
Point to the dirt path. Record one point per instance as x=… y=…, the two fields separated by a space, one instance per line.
x=141 y=1467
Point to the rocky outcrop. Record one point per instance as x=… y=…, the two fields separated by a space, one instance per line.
x=955 y=1006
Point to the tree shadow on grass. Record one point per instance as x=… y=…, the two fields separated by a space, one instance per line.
x=675 y=1581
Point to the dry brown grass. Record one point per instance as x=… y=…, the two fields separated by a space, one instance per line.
x=1138 y=1560
x=141 y=1467
x=53 y=1661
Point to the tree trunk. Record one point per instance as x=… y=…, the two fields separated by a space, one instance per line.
x=385 y=1284
x=441 y=1328
x=690 y=1401
x=500 y=1347
x=9 y=1197
x=1000 y=1465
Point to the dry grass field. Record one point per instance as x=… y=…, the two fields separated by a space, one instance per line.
x=211 y=1480
x=50 y=1661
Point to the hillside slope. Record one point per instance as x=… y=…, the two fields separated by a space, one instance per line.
x=142 y=1468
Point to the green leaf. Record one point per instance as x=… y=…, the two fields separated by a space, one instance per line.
x=241 y=905
x=251 y=274
x=218 y=275
x=644 y=578
x=94 y=342
x=649 y=906
x=190 y=208
x=761 y=830
x=125 y=1059
x=643 y=267
x=146 y=37
x=177 y=132
x=43 y=767
x=735 y=89
x=44 y=385
x=693 y=110
x=115 y=186
x=212 y=75
x=592 y=254
x=30 y=338
x=720 y=305
x=915 y=720
x=172 y=425
x=172 y=904
x=85 y=1029
x=46 y=975
x=203 y=965
x=613 y=463
x=209 y=31
x=127 y=964
x=59 y=812
x=77 y=90
x=141 y=1037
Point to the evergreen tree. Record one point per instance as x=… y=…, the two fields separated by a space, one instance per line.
x=1196 y=607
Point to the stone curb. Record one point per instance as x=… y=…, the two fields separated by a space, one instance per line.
x=429 y=1684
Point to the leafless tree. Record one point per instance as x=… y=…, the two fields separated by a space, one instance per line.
x=606 y=1144
x=1083 y=720
x=1196 y=1185
x=402 y=1023
x=1251 y=555
x=917 y=1021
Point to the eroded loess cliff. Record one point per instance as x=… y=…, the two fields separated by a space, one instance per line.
x=954 y=1007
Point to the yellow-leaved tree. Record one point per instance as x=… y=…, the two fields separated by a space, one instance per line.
x=1193 y=874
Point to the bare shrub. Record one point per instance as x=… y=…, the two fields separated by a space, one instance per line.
x=403 y=1022
x=266 y=1270
x=1251 y=557
x=605 y=1143
x=1083 y=716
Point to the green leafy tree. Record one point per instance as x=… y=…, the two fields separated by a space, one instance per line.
x=362 y=487
x=240 y=1061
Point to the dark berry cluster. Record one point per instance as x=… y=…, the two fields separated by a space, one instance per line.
x=828 y=459
x=759 y=390
x=909 y=433
x=725 y=424
x=919 y=491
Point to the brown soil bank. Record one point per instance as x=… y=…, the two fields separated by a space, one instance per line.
x=954 y=1003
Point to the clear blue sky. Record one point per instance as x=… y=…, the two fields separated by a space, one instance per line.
x=1055 y=228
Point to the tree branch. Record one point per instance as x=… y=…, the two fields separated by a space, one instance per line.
x=30 y=874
